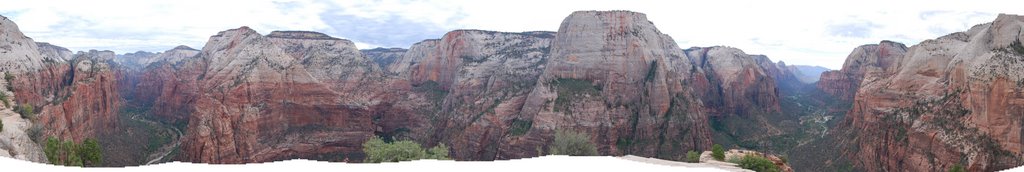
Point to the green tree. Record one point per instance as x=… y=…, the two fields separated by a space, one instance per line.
x=957 y=168
x=91 y=153
x=1 y=125
x=68 y=153
x=377 y=150
x=572 y=144
x=718 y=152
x=439 y=152
x=50 y=150
x=692 y=156
x=758 y=163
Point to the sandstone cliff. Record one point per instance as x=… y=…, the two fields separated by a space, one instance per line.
x=468 y=89
x=613 y=75
x=737 y=83
x=951 y=100
x=255 y=98
x=74 y=97
x=866 y=61
x=156 y=86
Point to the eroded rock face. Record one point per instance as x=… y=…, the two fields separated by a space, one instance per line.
x=614 y=76
x=20 y=53
x=952 y=100
x=736 y=83
x=157 y=85
x=867 y=61
x=257 y=98
x=74 y=96
x=475 y=83
x=88 y=104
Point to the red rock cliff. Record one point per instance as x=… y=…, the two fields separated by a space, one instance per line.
x=952 y=100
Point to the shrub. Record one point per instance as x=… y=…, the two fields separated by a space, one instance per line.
x=572 y=144
x=379 y=151
x=3 y=97
x=758 y=163
x=718 y=152
x=439 y=152
x=25 y=110
x=957 y=168
x=1 y=125
x=91 y=153
x=520 y=127
x=692 y=157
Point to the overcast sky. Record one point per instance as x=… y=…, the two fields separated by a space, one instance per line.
x=798 y=32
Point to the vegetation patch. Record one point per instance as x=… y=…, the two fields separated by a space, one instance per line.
x=10 y=81
x=757 y=163
x=26 y=111
x=435 y=93
x=570 y=90
x=573 y=144
x=5 y=99
x=624 y=144
x=377 y=151
x=718 y=152
x=692 y=157
x=68 y=153
x=520 y=127
x=1017 y=48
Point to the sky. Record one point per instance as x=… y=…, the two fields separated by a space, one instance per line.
x=820 y=33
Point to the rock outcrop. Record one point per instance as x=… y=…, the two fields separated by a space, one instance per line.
x=952 y=100
x=74 y=96
x=87 y=104
x=614 y=76
x=736 y=83
x=474 y=84
x=866 y=61
x=255 y=98
x=156 y=88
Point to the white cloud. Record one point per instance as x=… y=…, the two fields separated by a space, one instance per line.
x=798 y=32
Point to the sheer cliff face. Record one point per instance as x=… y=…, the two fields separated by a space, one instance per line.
x=615 y=76
x=736 y=83
x=952 y=100
x=158 y=83
x=86 y=104
x=74 y=96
